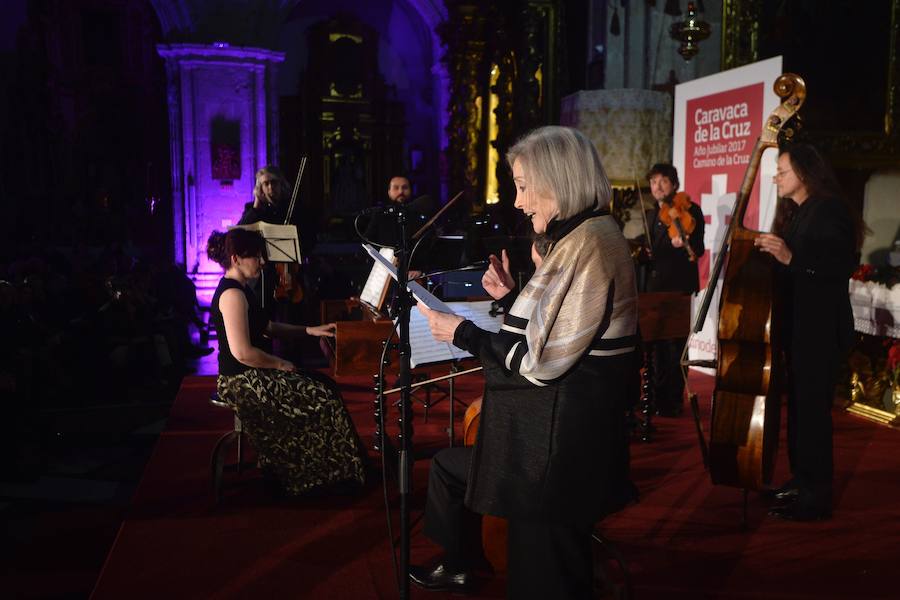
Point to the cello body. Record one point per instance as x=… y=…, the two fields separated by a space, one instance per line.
x=494 y=530
x=746 y=406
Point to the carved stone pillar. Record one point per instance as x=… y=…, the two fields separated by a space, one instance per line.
x=223 y=123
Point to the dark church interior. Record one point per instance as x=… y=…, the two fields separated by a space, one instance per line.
x=133 y=129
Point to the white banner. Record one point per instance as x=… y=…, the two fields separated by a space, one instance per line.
x=716 y=124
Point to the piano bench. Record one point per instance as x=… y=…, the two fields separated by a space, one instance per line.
x=217 y=463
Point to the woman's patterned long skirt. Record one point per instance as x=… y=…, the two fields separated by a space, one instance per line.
x=299 y=426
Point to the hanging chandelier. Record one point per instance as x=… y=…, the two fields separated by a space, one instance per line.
x=690 y=33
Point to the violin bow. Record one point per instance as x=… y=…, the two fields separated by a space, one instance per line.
x=296 y=192
x=436 y=216
x=644 y=217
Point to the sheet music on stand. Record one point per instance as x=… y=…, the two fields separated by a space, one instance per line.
x=425 y=349
x=420 y=293
x=282 y=241
x=375 y=289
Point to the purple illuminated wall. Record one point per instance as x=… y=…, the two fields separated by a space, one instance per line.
x=223 y=117
x=223 y=123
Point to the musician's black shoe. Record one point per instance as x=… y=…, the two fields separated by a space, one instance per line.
x=441 y=579
x=787 y=492
x=800 y=511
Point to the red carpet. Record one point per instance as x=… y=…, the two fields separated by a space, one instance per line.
x=682 y=541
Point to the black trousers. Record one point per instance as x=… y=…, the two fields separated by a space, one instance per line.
x=668 y=382
x=813 y=376
x=545 y=559
x=447 y=521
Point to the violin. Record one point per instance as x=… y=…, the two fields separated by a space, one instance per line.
x=676 y=216
x=289 y=288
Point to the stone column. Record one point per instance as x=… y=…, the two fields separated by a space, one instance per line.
x=223 y=124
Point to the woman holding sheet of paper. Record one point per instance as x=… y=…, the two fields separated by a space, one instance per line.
x=552 y=448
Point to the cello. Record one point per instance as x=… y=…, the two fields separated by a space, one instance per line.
x=493 y=529
x=746 y=407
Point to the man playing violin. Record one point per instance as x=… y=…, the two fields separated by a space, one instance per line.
x=673 y=269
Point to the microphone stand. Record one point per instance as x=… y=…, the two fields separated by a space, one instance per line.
x=404 y=306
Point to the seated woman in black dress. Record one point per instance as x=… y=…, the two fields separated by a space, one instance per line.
x=301 y=431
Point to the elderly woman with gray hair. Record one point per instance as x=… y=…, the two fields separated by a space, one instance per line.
x=552 y=448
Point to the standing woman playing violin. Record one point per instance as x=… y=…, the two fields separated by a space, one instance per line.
x=815 y=240
x=271 y=194
x=674 y=269
x=300 y=429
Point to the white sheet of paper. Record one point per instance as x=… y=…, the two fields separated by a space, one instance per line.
x=378 y=276
x=427 y=350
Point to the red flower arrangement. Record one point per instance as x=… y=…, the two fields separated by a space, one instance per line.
x=864 y=272
x=886 y=275
x=893 y=362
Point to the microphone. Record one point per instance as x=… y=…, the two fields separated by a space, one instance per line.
x=392 y=208
x=387 y=209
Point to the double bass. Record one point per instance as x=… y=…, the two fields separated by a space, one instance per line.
x=746 y=407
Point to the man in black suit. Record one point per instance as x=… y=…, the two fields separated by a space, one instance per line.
x=815 y=240
x=673 y=269
x=382 y=227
